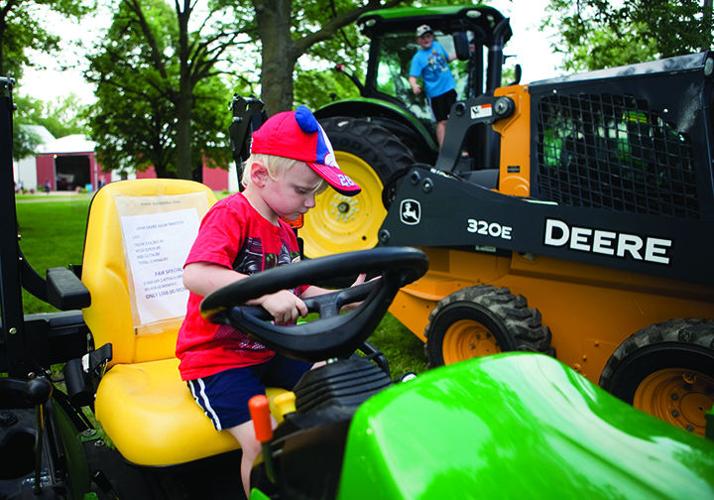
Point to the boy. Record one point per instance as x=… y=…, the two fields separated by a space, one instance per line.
x=291 y=160
x=431 y=64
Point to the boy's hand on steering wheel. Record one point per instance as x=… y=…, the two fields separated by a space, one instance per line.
x=360 y=279
x=283 y=306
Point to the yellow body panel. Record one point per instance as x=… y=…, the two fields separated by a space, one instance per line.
x=590 y=310
x=142 y=403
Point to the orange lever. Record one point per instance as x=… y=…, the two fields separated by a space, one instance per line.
x=260 y=413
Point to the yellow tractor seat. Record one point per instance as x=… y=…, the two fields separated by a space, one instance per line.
x=138 y=235
x=152 y=419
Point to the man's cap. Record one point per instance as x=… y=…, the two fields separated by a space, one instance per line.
x=423 y=30
x=298 y=136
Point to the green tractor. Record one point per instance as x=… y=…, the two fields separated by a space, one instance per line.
x=381 y=134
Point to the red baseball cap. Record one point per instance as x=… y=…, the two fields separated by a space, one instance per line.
x=298 y=136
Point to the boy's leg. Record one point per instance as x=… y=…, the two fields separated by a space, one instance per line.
x=250 y=448
x=441 y=106
x=224 y=398
x=440 y=132
x=284 y=372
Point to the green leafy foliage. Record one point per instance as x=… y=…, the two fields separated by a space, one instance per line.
x=595 y=34
x=21 y=29
x=143 y=96
x=25 y=141
x=61 y=117
x=317 y=87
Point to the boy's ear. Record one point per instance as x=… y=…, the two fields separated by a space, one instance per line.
x=258 y=174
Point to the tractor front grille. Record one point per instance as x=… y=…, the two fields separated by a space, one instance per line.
x=613 y=152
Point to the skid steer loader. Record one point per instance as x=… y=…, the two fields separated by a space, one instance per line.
x=590 y=238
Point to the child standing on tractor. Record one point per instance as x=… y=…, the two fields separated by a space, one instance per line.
x=291 y=160
x=431 y=64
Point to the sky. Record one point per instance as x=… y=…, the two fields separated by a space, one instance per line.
x=60 y=74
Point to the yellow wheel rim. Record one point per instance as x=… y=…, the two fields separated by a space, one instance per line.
x=341 y=223
x=678 y=396
x=466 y=339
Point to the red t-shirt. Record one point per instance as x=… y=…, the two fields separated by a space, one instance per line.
x=234 y=235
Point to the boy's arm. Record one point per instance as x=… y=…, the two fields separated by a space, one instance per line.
x=203 y=278
x=414 y=71
x=414 y=85
x=314 y=291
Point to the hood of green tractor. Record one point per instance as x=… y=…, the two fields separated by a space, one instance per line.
x=516 y=425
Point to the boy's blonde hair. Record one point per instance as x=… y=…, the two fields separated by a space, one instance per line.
x=275 y=165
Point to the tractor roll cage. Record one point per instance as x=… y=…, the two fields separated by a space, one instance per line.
x=490 y=30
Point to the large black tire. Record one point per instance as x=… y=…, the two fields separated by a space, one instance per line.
x=483 y=320
x=667 y=370
x=370 y=154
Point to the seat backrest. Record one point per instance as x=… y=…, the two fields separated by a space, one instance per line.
x=138 y=236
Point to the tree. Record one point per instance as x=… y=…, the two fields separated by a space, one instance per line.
x=155 y=106
x=61 y=117
x=317 y=87
x=21 y=29
x=287 y=30
x=175 y=59
x=594 y=34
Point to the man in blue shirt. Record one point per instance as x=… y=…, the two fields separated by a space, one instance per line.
x=431 y=64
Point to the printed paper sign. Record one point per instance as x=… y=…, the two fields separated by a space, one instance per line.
x=156 y=246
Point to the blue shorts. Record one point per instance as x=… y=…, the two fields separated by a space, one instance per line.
x=224 y=396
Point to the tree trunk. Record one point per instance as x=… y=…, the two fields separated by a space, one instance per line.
x=278 y=54
x=707 y=25
x=3 y=27
x=184 y=112
x=184 y=102
x=162 y=172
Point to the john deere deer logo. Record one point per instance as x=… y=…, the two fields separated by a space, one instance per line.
x=410 y=212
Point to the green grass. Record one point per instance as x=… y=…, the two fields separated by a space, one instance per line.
x=52 y=229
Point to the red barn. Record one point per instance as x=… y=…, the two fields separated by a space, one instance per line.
x=69 y=163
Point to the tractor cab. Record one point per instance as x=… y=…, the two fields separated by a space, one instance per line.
x=380 y=135
x=474 y=35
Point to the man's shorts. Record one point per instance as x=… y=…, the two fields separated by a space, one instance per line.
x=224 y=396
x=441 y=105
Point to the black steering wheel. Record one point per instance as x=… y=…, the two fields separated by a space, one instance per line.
x=332 y=334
